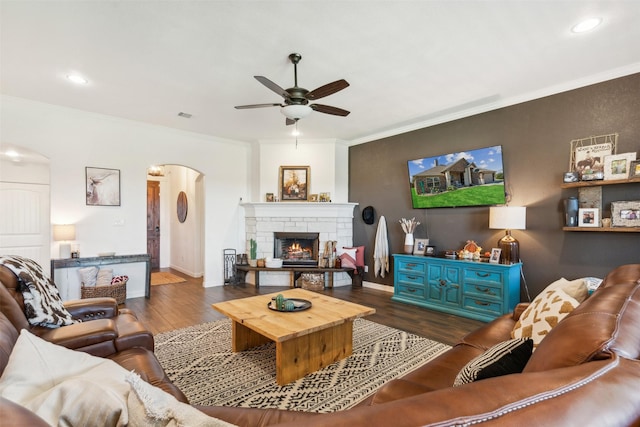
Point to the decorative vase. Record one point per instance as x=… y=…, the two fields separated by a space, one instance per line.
x=253 y=262
x=571 y=212
x=408 y=243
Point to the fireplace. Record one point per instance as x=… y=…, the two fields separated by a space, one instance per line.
x=296 y=249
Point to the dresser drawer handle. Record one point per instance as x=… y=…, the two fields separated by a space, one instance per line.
x=485 y=290
x=482 y=274
x=481 y=303
x=411 y=290
x=412 y=277
x=443 y=283
x=411 y=265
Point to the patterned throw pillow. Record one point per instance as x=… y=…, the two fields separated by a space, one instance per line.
x=359 y=255
x=508 y=357
x=546 y=311
x=42 y=303
x=117 y=280
x=347 y=257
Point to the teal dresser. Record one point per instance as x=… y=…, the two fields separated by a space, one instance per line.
x=473 y=289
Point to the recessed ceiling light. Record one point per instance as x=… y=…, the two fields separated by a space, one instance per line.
x=78 y=79
x=586 y=25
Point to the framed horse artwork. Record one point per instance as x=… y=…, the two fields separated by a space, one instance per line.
x=587 y=155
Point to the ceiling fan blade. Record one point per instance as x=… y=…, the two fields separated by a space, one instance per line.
x=327 y=109
x=289 y=121
x=273 y=86
x=327 y=89
x=244 y=107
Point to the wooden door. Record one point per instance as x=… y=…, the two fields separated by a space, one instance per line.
x=153 y=222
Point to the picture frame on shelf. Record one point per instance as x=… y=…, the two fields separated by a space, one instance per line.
x=588 y=217
x=294 y=182
x=495 y=256
x=102 y=186
x=430 y=251
x=313 y=197
x=571 y=177
x=420 y=246
x=634 y=169
x=587 y=154
x=625 y=213
x=618 y=166
x=269 y=197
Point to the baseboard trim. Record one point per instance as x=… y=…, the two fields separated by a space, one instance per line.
x=377 y=286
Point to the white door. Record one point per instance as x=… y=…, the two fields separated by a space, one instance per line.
x=24 y=222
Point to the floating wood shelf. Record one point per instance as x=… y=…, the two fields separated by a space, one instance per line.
x=606 y=230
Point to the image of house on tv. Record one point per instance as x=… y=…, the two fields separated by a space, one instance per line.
x=459 y=174
x=467 y=178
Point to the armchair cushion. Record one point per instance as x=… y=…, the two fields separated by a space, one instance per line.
x=42 y=303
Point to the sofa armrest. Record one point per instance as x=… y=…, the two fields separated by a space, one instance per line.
x=14 y=415
x=81 y=335
x=519 y=309
x=92 y=308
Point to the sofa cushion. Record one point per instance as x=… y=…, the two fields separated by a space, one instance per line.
x=42 y=303
x=544 y=313
x=508 y=357
x=605 y=323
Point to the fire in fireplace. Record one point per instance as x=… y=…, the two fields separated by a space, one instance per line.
x=296 y=248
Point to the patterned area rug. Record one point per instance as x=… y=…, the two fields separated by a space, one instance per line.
x=164 y=278
x=199 y=361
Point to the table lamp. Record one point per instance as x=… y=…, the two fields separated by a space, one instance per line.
x=64 y=233
x=508 y=218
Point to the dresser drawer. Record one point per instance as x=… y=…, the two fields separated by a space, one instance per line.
x=411 y=278
x=417 y=292
x=484 y=290
x=482 y=305
x=416 y=267
x=478 y=275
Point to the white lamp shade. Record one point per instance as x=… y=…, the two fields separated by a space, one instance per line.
x=296 y=111
x=508 y=217
x=64 y=232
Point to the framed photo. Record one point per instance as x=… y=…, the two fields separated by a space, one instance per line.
x=430 y=251
x=325 y=197
x=420 y=246
x=634 y=169
x=625 y=214
x=269 y=197
x=103 y=187
x=571 y=177
x=313 y=197
x=294 y=183
x=588 y=217
x=587 y=154
x=618 y=166
x=495 y=256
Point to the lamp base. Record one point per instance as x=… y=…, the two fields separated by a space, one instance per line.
x=65 y=250
x=510 y=249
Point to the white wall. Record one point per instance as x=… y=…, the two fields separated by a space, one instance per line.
x=74 y=139
x=231 y=171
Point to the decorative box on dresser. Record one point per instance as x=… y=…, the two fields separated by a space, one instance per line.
x=473 y=289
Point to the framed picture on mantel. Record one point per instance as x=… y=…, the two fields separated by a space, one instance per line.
x=294 y=183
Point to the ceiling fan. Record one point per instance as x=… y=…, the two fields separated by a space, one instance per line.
x=296 y=99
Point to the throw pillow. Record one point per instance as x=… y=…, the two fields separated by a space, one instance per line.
x=546 y=311
x=88 y=276
x=359 y=255
x=119 y=279
x=347 y=257
x=61 y=384
x=574 y=288
x=105 y=275
x=508 y=357
x=42 y=303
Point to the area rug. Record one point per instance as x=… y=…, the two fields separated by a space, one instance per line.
x=164 y=278
x=198 y=359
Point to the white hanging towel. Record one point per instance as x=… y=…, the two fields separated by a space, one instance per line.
x=381 y=251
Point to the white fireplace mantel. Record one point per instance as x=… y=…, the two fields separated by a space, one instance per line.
x=298 y=209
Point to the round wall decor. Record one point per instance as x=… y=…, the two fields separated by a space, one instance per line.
x=182 y=206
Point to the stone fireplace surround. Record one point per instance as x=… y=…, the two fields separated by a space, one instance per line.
x=333 y=221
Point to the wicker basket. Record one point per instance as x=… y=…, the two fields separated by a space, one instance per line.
x=117 y=291
x=312 y=281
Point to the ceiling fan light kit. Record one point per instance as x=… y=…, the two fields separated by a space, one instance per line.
x=296 y=99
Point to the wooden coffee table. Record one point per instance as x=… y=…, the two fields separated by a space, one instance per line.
x=306 y=341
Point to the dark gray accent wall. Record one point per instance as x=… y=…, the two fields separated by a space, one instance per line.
x=535 y=137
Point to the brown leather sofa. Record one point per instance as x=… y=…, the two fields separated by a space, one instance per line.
x=585 y=372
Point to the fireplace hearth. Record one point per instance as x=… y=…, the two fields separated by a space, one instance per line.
x=296 y=249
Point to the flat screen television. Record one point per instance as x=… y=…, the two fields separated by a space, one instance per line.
x=467 y=178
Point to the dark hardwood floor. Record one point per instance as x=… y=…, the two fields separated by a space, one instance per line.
x=180 y=305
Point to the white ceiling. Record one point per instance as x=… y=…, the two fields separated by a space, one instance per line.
x=409 y=63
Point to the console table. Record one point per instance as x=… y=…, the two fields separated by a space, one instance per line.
x=106 y=260
x=473 y=289
x=295 y=272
